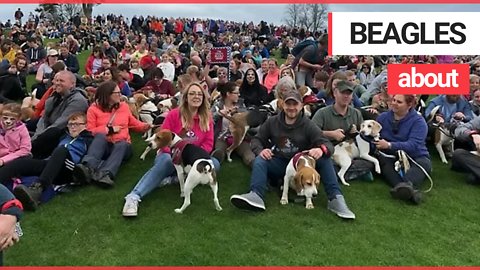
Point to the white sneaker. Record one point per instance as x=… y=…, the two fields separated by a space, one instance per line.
x=130 y=209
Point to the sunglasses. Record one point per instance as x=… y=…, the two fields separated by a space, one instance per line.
x=74 y=125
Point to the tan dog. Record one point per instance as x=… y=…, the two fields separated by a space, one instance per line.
x=238 y=128
x=241 y=122
x=28 y=108
x=301 y=176
x=346 y=151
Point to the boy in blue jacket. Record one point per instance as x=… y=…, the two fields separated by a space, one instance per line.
x=56 y=170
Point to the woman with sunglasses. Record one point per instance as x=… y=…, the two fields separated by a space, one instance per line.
x=193 y=122
x=403 y=129
x=366 y=75
x=110 y=121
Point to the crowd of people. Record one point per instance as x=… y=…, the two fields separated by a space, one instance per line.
x=79 y=131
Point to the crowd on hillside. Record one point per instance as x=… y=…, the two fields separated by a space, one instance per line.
x=73 y=126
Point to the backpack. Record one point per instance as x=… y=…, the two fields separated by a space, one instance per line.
x=302 y=45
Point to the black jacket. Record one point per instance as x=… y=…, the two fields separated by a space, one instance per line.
x=287 y=140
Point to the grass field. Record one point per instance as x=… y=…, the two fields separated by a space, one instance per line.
x=86 y=227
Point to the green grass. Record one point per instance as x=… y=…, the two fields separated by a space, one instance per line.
x=86 y=227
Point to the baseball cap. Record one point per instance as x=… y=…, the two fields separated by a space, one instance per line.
x=344 y=86
x=293 y=95
x=52 y=52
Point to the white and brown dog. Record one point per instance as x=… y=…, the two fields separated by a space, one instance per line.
x=301 y=176
x=346 y=151
x=442 y=135
x=146 y=110
x=193 y=165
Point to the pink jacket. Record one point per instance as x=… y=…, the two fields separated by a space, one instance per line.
x=15 y=143
x=97 y=121
x=173 y=123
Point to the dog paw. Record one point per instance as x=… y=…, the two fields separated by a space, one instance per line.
x=219 y=208
x=142 y=158
x=309 y=206
x=378 y=170
x=445 y=161
x=229 y=160
x=345 y=183
x=178 y=211
x=284 y=201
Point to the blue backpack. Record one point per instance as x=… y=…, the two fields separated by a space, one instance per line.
x=302 y=45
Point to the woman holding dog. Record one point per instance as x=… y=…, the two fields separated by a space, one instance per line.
x=192 y=121
x=228 y=103
x=403 y=129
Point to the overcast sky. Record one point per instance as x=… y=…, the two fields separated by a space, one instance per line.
x=269 y=12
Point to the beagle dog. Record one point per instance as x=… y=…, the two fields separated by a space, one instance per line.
x=301 y=176
x=146 y=110
x=442 y=135
x=193 y=165
x=360 y=147
x=241 y=122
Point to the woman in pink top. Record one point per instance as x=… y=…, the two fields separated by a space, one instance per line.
x=193 y=122
x=273 y=75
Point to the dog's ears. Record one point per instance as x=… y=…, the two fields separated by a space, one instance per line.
x=377 y=127
x=163 y=137
x=317 y=178
x=298 y=181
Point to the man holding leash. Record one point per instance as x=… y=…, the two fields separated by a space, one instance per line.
x=278 y=140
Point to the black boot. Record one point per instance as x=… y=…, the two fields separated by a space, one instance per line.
x=104 y=179
x=29 y=196
x=82 y=174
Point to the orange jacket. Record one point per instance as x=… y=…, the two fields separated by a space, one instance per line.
x=97 y=121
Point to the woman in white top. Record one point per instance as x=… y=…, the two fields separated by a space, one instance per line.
x=44 y=72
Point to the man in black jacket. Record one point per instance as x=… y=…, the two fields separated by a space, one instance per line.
x=134 y=81
x=70 y=60
x=278 y=140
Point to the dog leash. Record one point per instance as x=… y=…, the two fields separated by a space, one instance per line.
x=403 y=153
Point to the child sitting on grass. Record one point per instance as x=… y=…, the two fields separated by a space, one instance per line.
x=57 y=169
x=14 y=138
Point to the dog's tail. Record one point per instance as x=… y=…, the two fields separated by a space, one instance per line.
x=204 y=167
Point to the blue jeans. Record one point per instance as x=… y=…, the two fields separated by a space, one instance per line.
x=275 y=170
x=161 y=169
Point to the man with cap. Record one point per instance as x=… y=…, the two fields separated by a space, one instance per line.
x=278 y=140
x=341 y=121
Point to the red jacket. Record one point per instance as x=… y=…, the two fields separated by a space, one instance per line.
x=97 y=121
x=40 y=107
x=89 y=65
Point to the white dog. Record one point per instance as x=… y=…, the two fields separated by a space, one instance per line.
x=346 y=151
x=301 y=176
x=193 y=165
